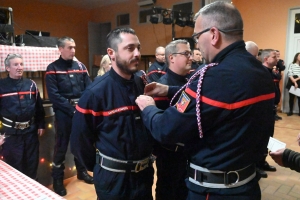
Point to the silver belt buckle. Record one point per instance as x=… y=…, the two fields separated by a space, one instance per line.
x=141 y=165
x=20 y=125
x=237 y=174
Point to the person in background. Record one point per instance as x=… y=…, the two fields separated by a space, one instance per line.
x=171 y=161
x=108 y=135
x=252 y=48
x=269 y=60
x=280 y=63
x=105 y=65
x=66 y=79
x=197 y=59
x=157 y=68
x=294 y=79
x=287 y=157
x=223 y=115
x=23 y=118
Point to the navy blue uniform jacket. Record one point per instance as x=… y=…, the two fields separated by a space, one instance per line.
x=156 y=70
x=108 y=119
x=65 y=80
x=237 y=99
x=20 y=101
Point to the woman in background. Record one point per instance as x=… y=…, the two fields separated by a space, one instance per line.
x=105 y=65
x=294 y=79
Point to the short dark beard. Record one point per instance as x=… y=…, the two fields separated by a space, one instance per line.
x=122 y=66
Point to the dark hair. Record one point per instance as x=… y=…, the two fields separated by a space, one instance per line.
x=113 y=38
x=195 y=49
x=295 y=57
x=62 y=41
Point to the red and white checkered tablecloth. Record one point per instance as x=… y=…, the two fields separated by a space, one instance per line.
x=15 y=186
x=35 y=58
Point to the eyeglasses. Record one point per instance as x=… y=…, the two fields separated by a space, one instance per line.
x=196 y=36
x=185 y=53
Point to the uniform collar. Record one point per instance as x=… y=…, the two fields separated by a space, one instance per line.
x=175 y=76
x=119 y=78
x=65 y=62
x=239 y=45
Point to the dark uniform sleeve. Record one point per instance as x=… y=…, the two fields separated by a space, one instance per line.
x=87 y=80
x=158 y=122
x=291 y=159
x=39 y=113
x=82 y=137
x=52 y=88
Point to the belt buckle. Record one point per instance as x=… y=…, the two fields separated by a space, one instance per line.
x=226 y=178
x=19 y=125
x=141 y=165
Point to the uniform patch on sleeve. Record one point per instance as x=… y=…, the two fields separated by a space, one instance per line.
x=183 y=102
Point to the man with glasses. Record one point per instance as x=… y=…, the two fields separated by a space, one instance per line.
x=23 y=118
x=171 y=161
x=158 y=68
x=224 y=114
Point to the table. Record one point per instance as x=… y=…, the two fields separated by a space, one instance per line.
x=35 y=58
x=15 y=185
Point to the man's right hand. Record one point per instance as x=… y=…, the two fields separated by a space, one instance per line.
x=156 y=89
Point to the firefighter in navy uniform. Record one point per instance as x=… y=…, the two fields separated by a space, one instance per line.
x=66 y=79
x=108 y=135
x=171 y=160
x=159 y=67
x=23 y=118
x=224 y=115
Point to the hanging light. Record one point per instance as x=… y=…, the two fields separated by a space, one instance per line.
x=180 y=20
x=190 y=22
x=167 y=18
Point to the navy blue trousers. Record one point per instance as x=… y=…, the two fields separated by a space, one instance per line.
x=123 y=186
x=171 y=174
x=63 y=126
x=22 y=152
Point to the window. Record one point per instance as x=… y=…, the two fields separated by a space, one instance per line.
x=123 y=20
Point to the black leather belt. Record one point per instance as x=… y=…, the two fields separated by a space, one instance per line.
x=221 y=179
x=123 y=166
x=17 y=125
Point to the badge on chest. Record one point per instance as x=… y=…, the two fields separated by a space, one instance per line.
x=183 y=102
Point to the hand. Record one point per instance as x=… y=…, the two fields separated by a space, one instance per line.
x=41 y=132
x=298 y=139
x=156 y=89
x=296 y=85
x=277 y=156
x=143 y=101
x=1 y=140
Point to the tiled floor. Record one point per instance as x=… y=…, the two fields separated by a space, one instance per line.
x=283 y=184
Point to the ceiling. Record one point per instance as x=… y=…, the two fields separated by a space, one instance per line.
x=85 y=4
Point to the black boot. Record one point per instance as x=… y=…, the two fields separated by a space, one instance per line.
x=290 y=113
x=58 y=187
x=85 y=177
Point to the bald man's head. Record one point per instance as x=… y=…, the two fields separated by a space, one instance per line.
x=252 y=48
